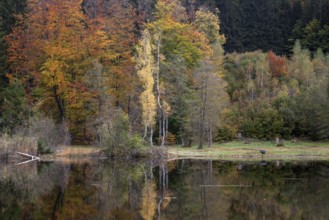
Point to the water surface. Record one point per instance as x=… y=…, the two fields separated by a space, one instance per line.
x=155 y=189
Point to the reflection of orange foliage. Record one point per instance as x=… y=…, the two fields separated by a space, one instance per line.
x=118 y=213
x=278 y=65
x=171 y=165
x=77 y=200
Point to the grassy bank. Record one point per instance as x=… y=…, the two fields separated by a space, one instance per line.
x=78 y=152
x=237 y=150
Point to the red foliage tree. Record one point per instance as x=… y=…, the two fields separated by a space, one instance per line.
x=278 y=65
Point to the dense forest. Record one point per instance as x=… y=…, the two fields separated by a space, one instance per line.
x=124 y=73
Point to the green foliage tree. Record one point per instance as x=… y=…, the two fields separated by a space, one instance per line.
x=262 y=122
x=14 y=109
x=266 y=104
x=9 y=9
x=210 y=85
x=311 y=38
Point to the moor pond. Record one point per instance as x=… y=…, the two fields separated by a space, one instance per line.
x=155 y=189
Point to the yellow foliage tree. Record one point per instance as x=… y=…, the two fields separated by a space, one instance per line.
x=145 y=67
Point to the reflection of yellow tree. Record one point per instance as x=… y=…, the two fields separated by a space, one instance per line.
x=149 y=201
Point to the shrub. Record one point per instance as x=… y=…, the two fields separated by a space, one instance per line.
x=14 y=111
x=262 y=123
x=114 y=134
x=170 y=139
x=42 y=147
x=41 y=135
x=225 y=134
x=10 y=144
x=48 y=134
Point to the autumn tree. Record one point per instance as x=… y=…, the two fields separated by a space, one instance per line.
x=277 y=65
x=145 y=68
x=113 y=31
x=47 y=53
x=300 y=66
x=209 y=76
x=64 y=69
x=118 y=18
x=258 y=100
x=9 y=11
x=174 y=39
x=166 y=31
x=60 y=53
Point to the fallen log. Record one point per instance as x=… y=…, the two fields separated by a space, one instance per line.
x=28 y=155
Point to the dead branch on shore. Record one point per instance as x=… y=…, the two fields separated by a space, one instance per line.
x=33 y=158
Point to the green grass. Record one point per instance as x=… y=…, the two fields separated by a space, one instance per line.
x=271 y=144
x=303 y=150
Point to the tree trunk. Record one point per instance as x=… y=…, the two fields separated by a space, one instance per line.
x=163 y=130
x=202 y=113
x=167 y=125
x=158 y=73
x=145 y=132
x=160 y=128
x=151 y=136
x=209 y=135
x=59 y=103
x=161 y=113
x=201 y=129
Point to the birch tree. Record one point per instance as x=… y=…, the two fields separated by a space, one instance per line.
x=145 y=68
x=173 y=38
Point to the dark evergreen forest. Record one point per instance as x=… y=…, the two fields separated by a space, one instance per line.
x=274 y=24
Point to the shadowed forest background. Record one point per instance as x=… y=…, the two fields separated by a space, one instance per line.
x=122 y=73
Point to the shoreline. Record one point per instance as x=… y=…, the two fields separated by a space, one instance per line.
x=170 y=155
x=232 y=151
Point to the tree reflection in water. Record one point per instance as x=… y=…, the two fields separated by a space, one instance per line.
x=157 y=189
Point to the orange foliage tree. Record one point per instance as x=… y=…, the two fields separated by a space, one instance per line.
x=278 y=66
x=71 y=61
x=117 y=20
x=48 y=52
